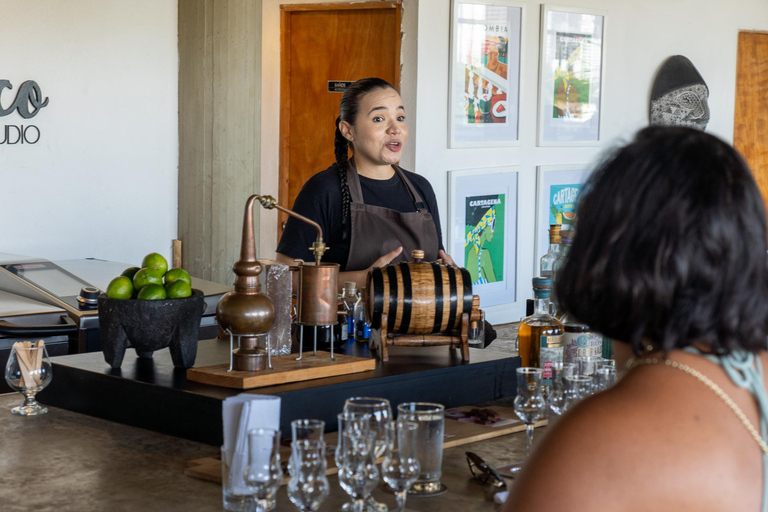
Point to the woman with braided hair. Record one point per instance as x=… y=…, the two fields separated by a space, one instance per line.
x=371 y=211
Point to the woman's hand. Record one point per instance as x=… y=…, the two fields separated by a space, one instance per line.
x=446 y=258
x=387 y=258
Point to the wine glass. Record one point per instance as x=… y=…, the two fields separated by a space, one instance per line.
x=381 y=415
x=529 y=404
x=358 y=474
x=308 y=486
x=263 y=474
x=28 y=371
x=401 y=468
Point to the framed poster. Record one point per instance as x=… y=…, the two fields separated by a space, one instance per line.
x=570 y=76
x=557 y=195
x=486 y=38
x=483 y=230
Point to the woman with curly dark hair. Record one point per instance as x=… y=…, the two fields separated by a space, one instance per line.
x=371 y=211
x=669 y=259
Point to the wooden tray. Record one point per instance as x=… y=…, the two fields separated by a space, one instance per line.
x=286 y=369
x=457 y=433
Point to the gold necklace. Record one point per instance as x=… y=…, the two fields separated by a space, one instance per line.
x=715 y=388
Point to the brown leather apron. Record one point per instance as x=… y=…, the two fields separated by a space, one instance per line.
x=376 y=230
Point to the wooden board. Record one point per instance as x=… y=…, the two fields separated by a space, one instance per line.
x=286 y=369
x=457 y=433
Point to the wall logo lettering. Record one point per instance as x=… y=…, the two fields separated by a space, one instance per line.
x=28 y=103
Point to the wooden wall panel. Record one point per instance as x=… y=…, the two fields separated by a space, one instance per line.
x=751 y=112
x=219 y=129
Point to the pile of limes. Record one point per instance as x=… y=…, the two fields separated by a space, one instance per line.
x=152 y=281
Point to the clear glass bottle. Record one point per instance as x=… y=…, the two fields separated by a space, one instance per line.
x=579 y=340
x=548 y=260
x=540 y=336
x=565 y=246
x=362 y=327
x=348 y=299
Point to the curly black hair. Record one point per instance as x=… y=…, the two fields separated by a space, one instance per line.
x=670 y=246
x=348 y=110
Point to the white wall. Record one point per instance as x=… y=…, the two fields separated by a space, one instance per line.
x=102 y=180
x=639 y=36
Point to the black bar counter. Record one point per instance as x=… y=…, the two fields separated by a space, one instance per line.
x=152 y=394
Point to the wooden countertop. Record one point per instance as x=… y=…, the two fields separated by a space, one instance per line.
x=66 y=461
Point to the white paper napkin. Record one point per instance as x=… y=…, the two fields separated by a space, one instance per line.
x=241 y=414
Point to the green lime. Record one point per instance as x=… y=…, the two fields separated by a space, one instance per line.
x=155 y=262
x=178 y=289
x=120 y=288
x=152 y=292
x=146 y=276
x=176 y=274
x=130 y=272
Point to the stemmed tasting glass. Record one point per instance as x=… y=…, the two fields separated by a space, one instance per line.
x=305 y=429
x=529 y=404
x=381 y=416
x=556 y=400
x=28 y=371
x=605 y=378
x=577 y=387
x=354 y=422
x=263 y=474
x=308 y=486
x=401 y=468
x=358 y=474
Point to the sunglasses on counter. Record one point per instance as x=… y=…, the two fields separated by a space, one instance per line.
x=484 y=473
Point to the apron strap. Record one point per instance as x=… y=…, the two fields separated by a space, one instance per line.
x=356 y=191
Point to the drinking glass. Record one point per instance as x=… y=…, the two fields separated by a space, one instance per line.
x=430 y=419
x=263 y=474
x=28 y=371
x=307 y=429
x=529 y=404
x=308 y=486
x=358 y=474
x=605 y=378
x=556 y=399
x=401 y=468
x=476 y=332
x=380 y=416
x=577 y=387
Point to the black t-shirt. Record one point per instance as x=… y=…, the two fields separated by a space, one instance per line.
x=320 y=200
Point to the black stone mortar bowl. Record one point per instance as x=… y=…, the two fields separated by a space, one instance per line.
x=150 y=325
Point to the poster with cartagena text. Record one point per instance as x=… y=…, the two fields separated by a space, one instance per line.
x=484 y=238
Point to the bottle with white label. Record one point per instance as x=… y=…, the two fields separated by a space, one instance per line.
x=579 y=340
x=540 y=336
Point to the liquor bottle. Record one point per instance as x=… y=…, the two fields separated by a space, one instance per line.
x=565 y=246
x=540 y=336
x=349 y=299
x=362 y=327
x=548 y=260
x=579 y=340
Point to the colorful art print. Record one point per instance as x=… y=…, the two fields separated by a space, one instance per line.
x=572 y=76
x=484 y=238
x=562 y=204
x=485 y=71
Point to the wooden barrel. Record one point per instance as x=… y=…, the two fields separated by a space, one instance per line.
x=418 y=298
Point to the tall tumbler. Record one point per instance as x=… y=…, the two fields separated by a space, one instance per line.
x=430 y=421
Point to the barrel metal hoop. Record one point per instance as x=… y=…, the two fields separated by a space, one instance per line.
x=454 y=298
x=436 y=270
x=405 y=322
x=467 y=281
x=392 y=312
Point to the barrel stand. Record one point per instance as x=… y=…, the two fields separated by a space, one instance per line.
x=454 y=340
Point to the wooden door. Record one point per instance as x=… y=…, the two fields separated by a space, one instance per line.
x=324 y=43
x=751 y=114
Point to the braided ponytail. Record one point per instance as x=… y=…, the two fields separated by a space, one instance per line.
x=348 y=108
x=341 y=150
